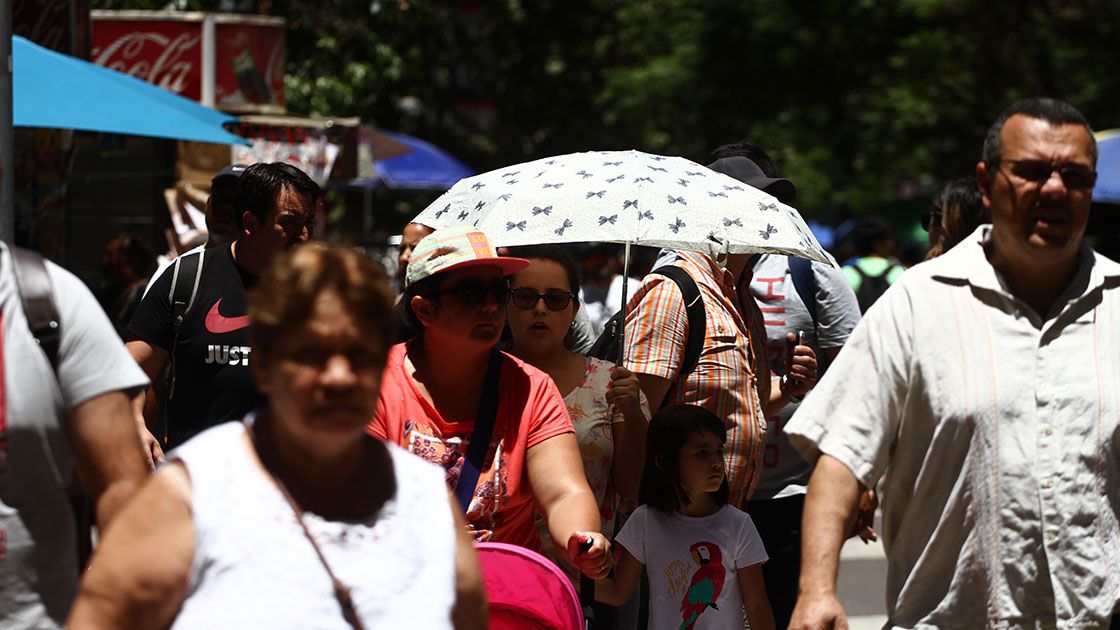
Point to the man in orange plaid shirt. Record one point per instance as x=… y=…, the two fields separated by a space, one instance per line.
x=725 y=379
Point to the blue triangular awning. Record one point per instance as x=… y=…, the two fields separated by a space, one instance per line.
x=54 y=90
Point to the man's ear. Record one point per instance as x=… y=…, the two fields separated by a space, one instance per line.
x=249 y=223
x=984 y=182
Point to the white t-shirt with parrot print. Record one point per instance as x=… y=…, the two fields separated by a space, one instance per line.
x=692 y=564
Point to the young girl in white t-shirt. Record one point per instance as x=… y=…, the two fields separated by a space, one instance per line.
x=703 y=557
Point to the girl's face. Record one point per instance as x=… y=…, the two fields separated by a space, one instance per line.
x=701 y=463
x=531 y=320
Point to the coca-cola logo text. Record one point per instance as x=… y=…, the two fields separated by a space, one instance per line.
x=167 y=61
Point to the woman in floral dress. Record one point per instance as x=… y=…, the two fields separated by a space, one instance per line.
x=608 y=410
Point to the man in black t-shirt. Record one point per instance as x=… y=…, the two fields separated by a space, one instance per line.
x=275 y=205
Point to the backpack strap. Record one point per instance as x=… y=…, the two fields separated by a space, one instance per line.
x=181 y=297
x=36 y=294
x=479 y=445
x=37 y=297
x=697 y=317
x=801 y=270
x=185 y=276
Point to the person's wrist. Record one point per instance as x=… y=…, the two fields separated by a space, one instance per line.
x=787 y=390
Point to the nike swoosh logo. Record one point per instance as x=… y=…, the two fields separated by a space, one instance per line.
x=217 y=324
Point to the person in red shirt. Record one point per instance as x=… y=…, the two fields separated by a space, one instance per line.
x=434 y=388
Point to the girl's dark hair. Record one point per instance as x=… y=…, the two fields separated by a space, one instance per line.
x=669 y=430
x=554 y=253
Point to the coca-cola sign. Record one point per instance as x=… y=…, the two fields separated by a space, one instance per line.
x=168 y=54
x=167 y=49
x=250 y=66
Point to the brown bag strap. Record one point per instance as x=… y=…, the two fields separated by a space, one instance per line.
x=341 y=591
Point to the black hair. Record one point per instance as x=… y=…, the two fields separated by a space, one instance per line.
x=1051 y=110
x=137 y=254
x=555 y=253
x=260 y=186
x=962 y=211
x=747 y=150
x=869 y=231
x=669 y=430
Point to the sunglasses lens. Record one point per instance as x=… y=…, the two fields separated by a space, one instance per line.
x=524 y=298
x=1034 y=171
x=556 y=300
x=470 y=292
x=1078 y=178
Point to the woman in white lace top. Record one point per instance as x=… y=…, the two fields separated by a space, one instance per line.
x=294 y=517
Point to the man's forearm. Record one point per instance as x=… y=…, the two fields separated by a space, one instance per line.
x=137 y=403
x=830 y=510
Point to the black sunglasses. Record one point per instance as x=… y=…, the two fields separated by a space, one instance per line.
x=554 y=299
x=474 y=291
x=1074 y=176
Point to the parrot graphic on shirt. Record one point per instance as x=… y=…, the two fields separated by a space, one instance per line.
x=706 y=583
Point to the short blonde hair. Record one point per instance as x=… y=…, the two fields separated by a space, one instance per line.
x=283 y=299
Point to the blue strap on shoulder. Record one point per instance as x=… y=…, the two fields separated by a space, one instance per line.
x=483 y=429
x=801 y=270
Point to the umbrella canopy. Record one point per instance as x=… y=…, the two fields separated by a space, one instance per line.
x=58 y=91
x=404 y=162
x=625 y=197
x=1107 y=189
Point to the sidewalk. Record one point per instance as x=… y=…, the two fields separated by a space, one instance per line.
x=861 y=583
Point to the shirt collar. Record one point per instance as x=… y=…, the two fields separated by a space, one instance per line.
x=969 y=262
x=722 y=276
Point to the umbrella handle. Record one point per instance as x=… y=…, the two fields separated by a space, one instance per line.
x=622 y=309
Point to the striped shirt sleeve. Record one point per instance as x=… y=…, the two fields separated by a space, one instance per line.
x=656 y=329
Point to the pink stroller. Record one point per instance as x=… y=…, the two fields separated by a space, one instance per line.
x=527 y=591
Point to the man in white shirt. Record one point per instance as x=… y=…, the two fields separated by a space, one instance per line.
x=983 y=384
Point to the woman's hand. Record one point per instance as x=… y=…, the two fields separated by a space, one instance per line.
x=594 y=561
x=624 y=391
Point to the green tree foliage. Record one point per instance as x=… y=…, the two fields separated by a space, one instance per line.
x=852 y=96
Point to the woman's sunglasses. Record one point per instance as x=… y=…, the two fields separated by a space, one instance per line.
x=474 y=291
x=554 y=299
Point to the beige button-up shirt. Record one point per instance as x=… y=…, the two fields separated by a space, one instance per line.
x=998 y=431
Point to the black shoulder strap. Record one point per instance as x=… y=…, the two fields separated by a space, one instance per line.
x=186 y=273
x=801 y=270
x=37 y=297
x=185 y=277
x=697 y=318
x=483 y=429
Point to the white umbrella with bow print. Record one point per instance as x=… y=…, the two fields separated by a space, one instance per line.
x=626 y=197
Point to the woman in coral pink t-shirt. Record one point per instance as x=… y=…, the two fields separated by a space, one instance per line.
x=455 y=294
